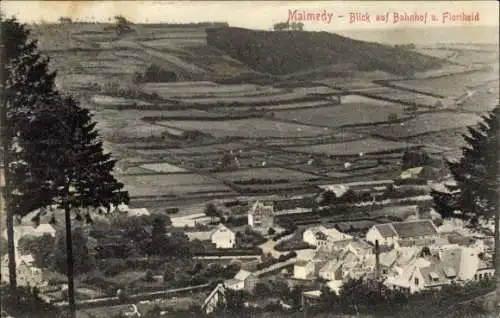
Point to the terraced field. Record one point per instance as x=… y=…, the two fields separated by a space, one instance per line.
x=451 y=86
x=246 y=128
x=286 y=130
x=353 y=111
x=428 y=123
x=353 y=148
x=150 y=185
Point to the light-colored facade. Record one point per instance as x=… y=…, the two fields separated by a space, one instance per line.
x=454 y=265
x=322 y=237
x=261 y=215
x=223 y=237
x=419 y=232
x=303 y=269
x=243 y=280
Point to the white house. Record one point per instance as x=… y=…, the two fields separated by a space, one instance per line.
x=303 y=269
x=223 y=237
x=407 y=233
x=322 y=237
x=242 y=280
x=331 y=270
x=446 y=267
x=261 y=215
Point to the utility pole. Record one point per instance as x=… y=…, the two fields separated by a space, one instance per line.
x=6 y=207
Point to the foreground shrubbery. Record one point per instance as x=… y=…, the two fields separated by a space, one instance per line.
x=26 y=304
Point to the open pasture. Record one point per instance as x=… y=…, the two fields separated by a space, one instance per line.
x=485 y=98
x=311 y=90
x=406 y=97
x=77 y=81
x=447 y=69
x=469 y=57
x=427 y=123
x=246 y=128
x=271 y=173
x=194 y=89
x=292 y=105
x=207 y=149
x=171 y=184
x=249 y=100
x=175 y=40
x=354 y=148
x=446 y=140
x=437 y=52
x=105 y=100
x=360 y=110
x=163 y=167
x=449 y=86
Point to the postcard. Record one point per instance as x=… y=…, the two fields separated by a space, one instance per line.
x=249 y=159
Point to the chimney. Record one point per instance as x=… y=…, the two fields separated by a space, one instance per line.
x=377 y=261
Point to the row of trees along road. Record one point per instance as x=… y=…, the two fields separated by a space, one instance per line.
x=477 y=178
x=52 y=154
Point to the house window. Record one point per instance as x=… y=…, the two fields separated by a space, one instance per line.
x=416 y=281
x=475 y=277
x=480 y=276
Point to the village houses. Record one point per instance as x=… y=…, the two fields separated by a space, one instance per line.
x=243 y=280
x=322 y=237
x=420 y=232
x=434 y=270
x=223 y=237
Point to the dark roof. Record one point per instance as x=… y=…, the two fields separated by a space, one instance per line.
x=415 y=228
x=386 y=230
x=442 y=271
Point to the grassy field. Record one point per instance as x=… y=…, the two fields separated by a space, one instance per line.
x=246 y=128
x=359 y=111
x=397 y=95
x=153 y=146
x=366 y=146
x=195 y=89
x=427 y=123
x=249 y=100
x=270 y=173
x=452 y=86
x=171 y=185
x=104 y=100
x=163 y=167
x=484 y=99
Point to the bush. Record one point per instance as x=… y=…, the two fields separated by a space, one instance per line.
x=26 y=303
x=155 y=73
x=271 y=231
x=172 y=210
x=112 y=266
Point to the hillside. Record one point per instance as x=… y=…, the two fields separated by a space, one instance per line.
x=288 y=52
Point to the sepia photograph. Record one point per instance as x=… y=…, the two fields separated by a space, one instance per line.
x=267 y=159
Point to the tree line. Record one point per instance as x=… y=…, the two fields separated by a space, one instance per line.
x=52 y=153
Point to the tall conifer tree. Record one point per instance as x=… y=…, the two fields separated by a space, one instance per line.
x=27 y=88
x=76 y=170
x=477 y=177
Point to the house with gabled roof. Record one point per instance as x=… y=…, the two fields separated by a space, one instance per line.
x=223 y=237
x=243 y=280
x=323 y=237
x=449 y=266
x=261 y=215
x=403 y=233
